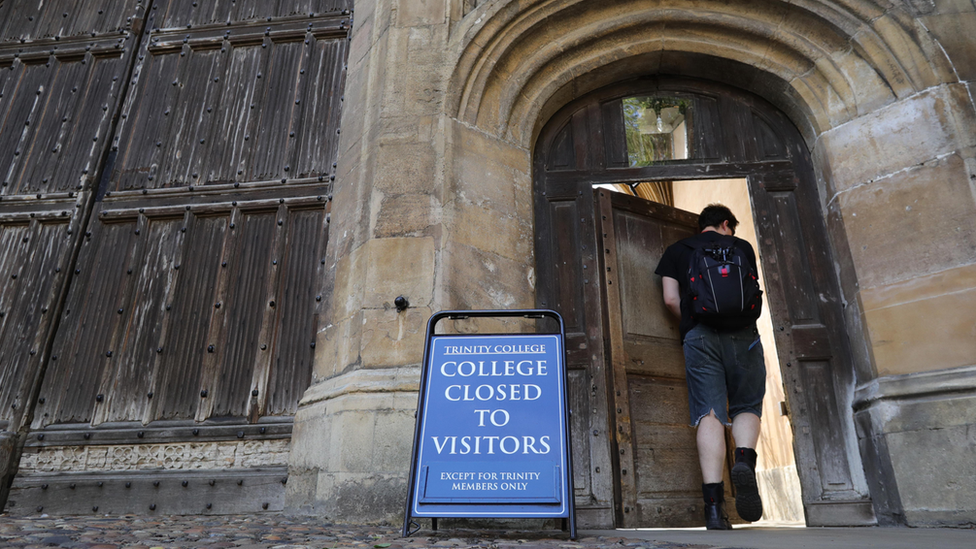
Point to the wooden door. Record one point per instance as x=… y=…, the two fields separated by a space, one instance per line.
x=658 y=474
x=172 y=303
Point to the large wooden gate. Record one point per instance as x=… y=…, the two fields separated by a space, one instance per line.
x=730 y=134
x=167 y=168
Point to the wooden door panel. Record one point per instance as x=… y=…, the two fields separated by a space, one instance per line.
x=321 y=98
x=188 y=143
x=281 y=109
x=70 y=390
x=142 y=152
x=654 y=357
x=797 y=280
x=38 y=19
x=819 y=399
x=48 y=128
x=192 y=304
x=303 y=251
x=568 y=272
x=249 y=272
x=668 y=485
x=811 y=344
x=639 y=247
x=656 y=445
x=144 y=327
x=578 y=389
x=176 y=306
x=30 y=251
x=24 y=103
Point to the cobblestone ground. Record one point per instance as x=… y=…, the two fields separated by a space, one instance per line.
x=269 y=532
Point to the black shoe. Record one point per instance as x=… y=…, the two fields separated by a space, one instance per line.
x=715 y=516
x=748 y=503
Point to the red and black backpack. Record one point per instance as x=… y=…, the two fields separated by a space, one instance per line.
x=722 y=285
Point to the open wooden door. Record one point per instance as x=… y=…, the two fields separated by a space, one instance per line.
x=658 y=474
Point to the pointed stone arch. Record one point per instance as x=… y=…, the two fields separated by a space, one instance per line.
x=823 y=63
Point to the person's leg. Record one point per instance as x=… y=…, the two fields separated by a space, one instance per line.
x=747 y=386
x=745 y=430
x=711 y=448
x=711 y=457
x=708 y=407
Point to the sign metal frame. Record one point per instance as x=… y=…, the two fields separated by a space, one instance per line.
x=548 y=492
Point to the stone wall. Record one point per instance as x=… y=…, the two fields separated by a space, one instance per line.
x=901 y=183
x=426 y=208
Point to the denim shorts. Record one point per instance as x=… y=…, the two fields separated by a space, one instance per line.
x=725 y=371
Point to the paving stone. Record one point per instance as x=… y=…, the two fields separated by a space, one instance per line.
x=56 y=540
x=267 y=531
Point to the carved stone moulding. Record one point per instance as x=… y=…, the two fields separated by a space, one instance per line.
x=156 y=457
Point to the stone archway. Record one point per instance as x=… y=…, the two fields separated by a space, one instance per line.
x=627 y=354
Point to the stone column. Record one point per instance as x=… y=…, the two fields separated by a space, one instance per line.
x=902 y=181
x=423 y=208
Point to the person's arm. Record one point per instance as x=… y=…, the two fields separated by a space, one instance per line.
x=672 y=295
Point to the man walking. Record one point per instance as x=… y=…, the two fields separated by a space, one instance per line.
x=724 y=363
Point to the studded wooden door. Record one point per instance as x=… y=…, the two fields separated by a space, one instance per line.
x=178 y=178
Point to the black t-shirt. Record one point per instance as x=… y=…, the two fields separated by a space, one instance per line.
x=675 y=262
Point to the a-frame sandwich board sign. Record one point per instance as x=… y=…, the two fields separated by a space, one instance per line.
x=492 y=432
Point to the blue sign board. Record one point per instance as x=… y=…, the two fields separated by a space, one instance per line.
x=492 y=434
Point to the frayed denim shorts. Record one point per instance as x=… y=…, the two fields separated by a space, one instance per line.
x=726 y=372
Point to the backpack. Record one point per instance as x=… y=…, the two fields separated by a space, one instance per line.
x=722 y=285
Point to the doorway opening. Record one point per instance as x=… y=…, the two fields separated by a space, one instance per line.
x=776 y=471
